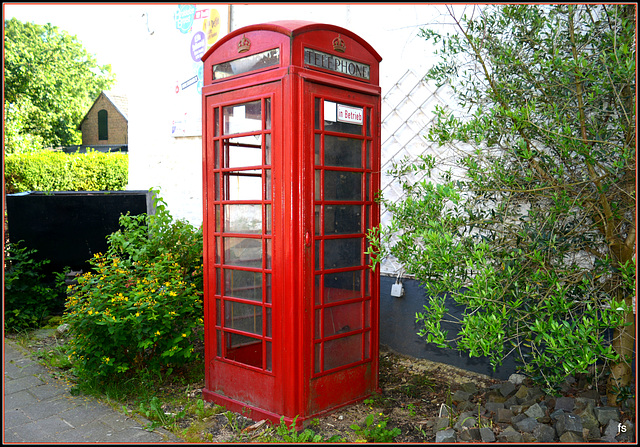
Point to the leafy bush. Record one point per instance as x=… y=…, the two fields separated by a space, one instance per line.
x=141 y=308
x=524 y=213
x=27 y=297
x=58 y=171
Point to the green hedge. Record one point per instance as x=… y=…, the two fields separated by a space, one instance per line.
x=58 y=171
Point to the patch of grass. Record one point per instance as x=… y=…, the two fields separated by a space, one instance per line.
x=56 y=357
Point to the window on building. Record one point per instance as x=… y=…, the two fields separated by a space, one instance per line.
x=103 y=125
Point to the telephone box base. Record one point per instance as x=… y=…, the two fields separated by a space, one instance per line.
x=258 y=414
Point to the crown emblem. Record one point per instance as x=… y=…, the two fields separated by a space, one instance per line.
x=339 y=45
x=244 y=44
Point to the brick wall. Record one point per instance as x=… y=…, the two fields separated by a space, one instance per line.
x=117 y=124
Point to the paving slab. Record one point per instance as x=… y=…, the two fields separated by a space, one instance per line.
x=39 y=408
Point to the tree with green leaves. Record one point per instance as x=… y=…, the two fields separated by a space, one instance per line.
x=530 y=224
x=50 y=81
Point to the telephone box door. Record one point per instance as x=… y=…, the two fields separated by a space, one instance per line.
x=238 y=226
x=343 y=142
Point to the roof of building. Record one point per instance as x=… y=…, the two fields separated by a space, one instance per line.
x=119 y=101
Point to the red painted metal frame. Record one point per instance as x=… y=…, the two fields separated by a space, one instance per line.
x=291 y=388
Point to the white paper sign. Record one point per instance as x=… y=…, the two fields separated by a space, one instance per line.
x=351 y=115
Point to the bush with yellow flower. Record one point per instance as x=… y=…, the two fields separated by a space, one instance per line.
x=140 y=309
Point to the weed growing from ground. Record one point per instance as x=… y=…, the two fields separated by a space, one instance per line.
x=375 y=429
x=292 y=434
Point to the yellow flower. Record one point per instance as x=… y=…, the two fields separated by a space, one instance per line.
x=157 y=333
x=184 y=335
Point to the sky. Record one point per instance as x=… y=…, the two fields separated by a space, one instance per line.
x=103 y=29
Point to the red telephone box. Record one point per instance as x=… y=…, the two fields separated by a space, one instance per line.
x=291 y=165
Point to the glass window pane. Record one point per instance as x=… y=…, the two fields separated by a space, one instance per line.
x=243 y=284
x=317 y=289
x=317 y=114
x=318 y=244
x=317 y=149
x=341 y=151
x=267 y=113
x=342 y=185
x=268 y=366
x=342 y=319
x=367 y=314
x=367 y=187
x=266 y=59
x=342 y=219
x=342 y=351
x=243 y=317
x=367 y=345
x=267 y=149
x=267 y=218
x=242 y=118
x=339 y=253
x=368 y=121
x=216 y=154
x=243 y=252
x=217 y=218
x=267 y=253
x=243 y=349
x=243 y=219
x=316 y=355
x=267 y=184
x=268 y=330
x=244 y=151
x=243 y=185
x=267 y=295
x=342 y=286
x=367 y=282
x=318 y=184
x=318 y=210
x=317 y=325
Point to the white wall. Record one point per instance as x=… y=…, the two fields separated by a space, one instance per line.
x=173 y=164
x=165 y=146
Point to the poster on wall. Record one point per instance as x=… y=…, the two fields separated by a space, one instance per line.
x=196 y=29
